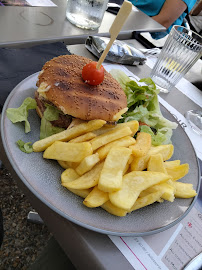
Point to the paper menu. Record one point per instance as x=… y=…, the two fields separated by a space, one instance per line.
x=171 y=249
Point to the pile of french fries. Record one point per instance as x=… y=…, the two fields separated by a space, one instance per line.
x=107 y=167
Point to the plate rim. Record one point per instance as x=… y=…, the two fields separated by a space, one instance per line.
x=69 y=218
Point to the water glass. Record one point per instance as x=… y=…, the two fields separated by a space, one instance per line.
x=87 y=14
x=182 y=49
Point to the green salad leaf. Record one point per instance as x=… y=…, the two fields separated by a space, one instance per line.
x=20 y=114
x=46 y=128
x=25 y=147
x=51 y=113
x=143 y=106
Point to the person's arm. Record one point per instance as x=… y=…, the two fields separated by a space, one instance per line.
x=170 y=12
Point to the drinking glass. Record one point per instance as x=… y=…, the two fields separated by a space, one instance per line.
x=87 y=14
x=182 y=49
x=180 y=52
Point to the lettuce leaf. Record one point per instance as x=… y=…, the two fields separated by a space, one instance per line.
x=143 y=106
x=51 y=113
x=47 y=129
x=25 y=147
x=20 y=114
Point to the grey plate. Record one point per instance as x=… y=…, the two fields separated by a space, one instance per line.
x=42 y=177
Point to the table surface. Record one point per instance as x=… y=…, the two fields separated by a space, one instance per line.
x=95 y=251
x=34 y=25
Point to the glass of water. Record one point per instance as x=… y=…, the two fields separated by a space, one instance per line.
x=86 y=14
x=180 y=52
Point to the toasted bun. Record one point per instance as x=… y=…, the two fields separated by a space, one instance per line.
x=67 y=90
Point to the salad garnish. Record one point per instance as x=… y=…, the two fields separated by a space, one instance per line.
x=20 y=114
x=47 y=129
x=143 y=106
x=25 y=147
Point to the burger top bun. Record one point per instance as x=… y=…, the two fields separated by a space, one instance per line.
x=66 y=89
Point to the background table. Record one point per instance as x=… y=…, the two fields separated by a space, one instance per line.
x=33 y=25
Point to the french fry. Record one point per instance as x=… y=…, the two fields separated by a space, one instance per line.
x=133 y=125
x=104 y=165
x=104 y=129
x=118 y=115
x=63 y=164
x=184 y=190
x=112 y=209
x=87 y=180
x=171 y=163
x=72 y=165
x=96 y=198
x=127 y=168
x=110 y=136
x=178 y=172
x=70 y=175
x=73 y=152
x=168 y=191
x=83 y=193
x=83 y=138
x=146 y=200
x=125 y=142
x=75 y=122
x=142 y=146
x=130 y=160
x=133 y=184
x=140 y=163
x=68 y=134
x=87 y=164
x=156 y=164
x=112 y=172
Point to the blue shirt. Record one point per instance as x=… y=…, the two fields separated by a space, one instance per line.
x=153 y=7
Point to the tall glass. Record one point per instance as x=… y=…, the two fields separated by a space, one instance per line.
x=182 y=49
x=87 y=14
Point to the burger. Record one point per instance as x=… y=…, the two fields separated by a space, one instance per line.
x=60 y=85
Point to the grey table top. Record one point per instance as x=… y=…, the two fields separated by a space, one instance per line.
x=28 y=25
x=85 y=248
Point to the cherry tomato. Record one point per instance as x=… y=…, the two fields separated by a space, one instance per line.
x=92 y=75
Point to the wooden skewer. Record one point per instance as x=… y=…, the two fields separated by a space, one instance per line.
x=116 y=28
